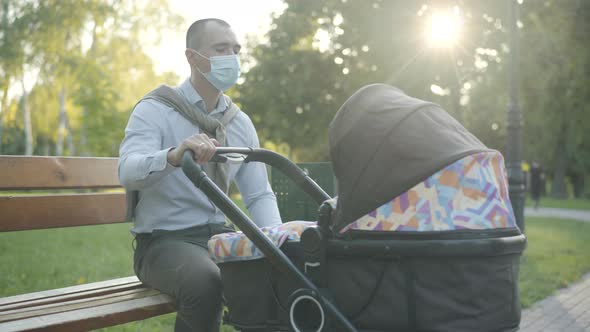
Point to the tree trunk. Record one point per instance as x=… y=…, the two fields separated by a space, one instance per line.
x=558 y=189
x=28 y=125
x=4 y=106
x=45 y=148
x=83 y=140
x=70 y=138
x=83 y=144
x=7 y=78
x=577 y=180
x=61 y=122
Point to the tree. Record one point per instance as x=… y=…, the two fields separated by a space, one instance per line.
x=83 y=95
x=293 y=90
x=556 y=98
x=318 y=53
x=15 y=25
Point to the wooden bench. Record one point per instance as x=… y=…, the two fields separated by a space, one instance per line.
x=82 y=307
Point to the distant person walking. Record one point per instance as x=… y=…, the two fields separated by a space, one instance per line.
x=536 y=182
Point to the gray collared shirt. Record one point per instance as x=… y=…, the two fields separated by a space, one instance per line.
x=167 y=199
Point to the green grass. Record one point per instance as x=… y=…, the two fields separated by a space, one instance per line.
x=573 y=203
x=556 y=256
x=44 y=259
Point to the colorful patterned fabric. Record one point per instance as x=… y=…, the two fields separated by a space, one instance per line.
x=237 y=247
x=471 y=193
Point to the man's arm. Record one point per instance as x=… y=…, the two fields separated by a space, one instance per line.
x=142 y=161
x=259 y=199
x=257 y=194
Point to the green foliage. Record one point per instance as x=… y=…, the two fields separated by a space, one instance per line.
x=296 y=84
x=556 y=89
x=88 y=52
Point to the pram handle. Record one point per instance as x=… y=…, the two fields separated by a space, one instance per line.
x=274 y=255
x=286 y=166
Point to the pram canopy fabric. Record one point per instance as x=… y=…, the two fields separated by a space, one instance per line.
x=470 y=193
x=383 y=142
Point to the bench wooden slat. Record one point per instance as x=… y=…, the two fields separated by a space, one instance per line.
x=49 y=211
x=20 y=172
x=91 y=318
x=92 y=306
x=68 y=290
x=78 y=304
x=92 y=293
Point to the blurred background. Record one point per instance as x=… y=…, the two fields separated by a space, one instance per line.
x=516 y=73
x=71 y=71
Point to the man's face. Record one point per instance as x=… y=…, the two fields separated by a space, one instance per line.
x=216 y=40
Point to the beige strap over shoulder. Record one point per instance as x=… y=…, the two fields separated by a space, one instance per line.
x=170 y=97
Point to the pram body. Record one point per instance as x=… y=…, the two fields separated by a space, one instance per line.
x=429 y=247
x=463 y=280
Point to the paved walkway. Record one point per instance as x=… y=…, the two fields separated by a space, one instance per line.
x=582 y=215
x=569 y=309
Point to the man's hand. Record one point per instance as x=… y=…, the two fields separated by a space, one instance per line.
x=202 y=146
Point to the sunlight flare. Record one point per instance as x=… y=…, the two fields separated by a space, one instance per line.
x=445 y=28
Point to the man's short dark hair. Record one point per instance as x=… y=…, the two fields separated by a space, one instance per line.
x=194 y=35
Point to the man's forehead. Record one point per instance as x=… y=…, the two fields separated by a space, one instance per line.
x=215 y=33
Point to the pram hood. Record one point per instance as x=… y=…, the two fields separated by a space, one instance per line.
x=383 y=142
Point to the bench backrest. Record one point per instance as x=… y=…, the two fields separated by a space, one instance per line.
x=24 y=210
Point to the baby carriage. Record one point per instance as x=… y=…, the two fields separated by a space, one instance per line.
x=421 y=237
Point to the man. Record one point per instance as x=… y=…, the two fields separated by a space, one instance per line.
x=173 y=219
x=536 y=183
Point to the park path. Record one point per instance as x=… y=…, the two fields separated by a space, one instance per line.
x=569 y=308
x=582 y=215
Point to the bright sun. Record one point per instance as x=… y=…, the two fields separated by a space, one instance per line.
x=444 y=29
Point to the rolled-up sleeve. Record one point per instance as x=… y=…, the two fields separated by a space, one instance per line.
x=252 y=181
x=142 y=158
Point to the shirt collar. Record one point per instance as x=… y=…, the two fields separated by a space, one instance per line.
x=194 y=98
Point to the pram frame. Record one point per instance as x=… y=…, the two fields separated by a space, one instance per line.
x=274 y=255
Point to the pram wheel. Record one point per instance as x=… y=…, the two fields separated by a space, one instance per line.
x=306 y=312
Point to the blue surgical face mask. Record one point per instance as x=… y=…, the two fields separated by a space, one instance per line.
x=225 y=71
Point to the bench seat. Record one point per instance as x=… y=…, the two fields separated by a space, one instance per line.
x=69 y=192
x=83 y=307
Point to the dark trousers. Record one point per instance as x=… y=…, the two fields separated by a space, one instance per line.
x=177 y=263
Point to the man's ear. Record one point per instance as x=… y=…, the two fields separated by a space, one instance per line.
x=190 y=56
